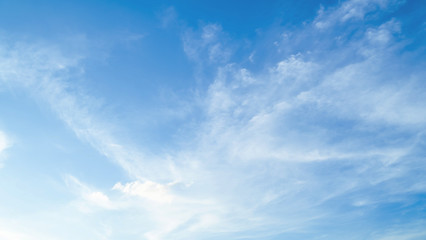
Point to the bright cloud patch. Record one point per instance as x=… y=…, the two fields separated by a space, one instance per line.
x=4 y=144
x=148 y=190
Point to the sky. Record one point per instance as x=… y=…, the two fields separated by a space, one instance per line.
x=208 y=120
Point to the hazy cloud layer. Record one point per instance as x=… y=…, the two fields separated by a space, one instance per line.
x=318 y=139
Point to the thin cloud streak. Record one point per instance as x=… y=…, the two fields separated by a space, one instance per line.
x=48 y=79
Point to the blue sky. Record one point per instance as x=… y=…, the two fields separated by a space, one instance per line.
x=213 y=120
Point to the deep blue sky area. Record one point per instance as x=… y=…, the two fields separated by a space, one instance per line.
x=169 y=120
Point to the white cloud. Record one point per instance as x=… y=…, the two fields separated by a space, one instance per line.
x=148 y=190
x=292 y=115
x=207 y=43
x=89 y=198
x=283 y=142
x=4 y=144
x=351 y=10
x=48 y=79
x=405 y=231
x=361 y=90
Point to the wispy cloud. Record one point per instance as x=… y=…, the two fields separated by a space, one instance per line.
x=356 y=10
x=271 y=151
x=207 y=46
x=89 y=198
x=315 y=110
x=4 y=144
x=46 y=73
